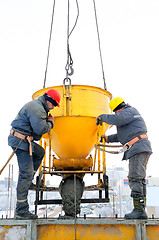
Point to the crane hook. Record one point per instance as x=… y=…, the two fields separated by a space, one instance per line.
x=71 y=72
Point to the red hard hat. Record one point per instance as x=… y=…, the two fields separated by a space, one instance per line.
x=54 y=94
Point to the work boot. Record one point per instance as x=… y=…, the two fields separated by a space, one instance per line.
x=136 y=214
x=139 y=209
x=25 y=216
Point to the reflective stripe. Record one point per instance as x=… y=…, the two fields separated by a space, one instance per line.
x=22 y=200
x=137 y=116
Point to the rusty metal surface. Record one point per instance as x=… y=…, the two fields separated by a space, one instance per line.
x=86 y=232
x=65 y=229
x=150 y=229
x=86 y=229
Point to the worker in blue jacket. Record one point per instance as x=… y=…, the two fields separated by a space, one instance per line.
x=30 y=124
x=132 y=134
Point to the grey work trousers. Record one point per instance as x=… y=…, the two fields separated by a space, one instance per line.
x=27 y=166
x=137 y=174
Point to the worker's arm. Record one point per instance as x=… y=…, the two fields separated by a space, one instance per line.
x=119 y=119
x=40 y=125
x=39 y=122
x=113 y=138
x=110 y=138
x=51 y=119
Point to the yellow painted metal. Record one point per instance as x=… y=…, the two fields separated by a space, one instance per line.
x=99 y=168
x=50 y=138
x=72 y=172
x=84 y=163
x=86 y=100
x=86 y=232
x=40 y=168
x=95 y=157
x=75 y=132
x=104 y=157
x=152 y=232
x=73 y=137
x=44 y=162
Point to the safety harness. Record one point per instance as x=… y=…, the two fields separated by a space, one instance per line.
x=129 y=144
x=23 y=137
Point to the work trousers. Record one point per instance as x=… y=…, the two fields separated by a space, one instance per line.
x=28 y=165
x=137 y=174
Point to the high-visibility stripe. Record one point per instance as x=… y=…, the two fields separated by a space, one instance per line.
x=22 y=200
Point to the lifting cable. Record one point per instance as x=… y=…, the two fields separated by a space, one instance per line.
x=49 y=43
x=100 y=52
x=69 y=65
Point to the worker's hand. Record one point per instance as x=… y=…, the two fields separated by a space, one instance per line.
x=51 y=119
x=98 y=121
x=105 y=138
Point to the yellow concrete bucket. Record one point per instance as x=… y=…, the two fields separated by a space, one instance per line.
x=75 y=132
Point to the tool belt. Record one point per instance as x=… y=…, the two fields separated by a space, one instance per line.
x=22 y=136
x=129 y=144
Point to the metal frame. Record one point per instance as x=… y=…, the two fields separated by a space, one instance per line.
x=39 y=194
x=102 y=184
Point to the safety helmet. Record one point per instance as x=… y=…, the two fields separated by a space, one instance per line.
x=115 y=102
x=53 y=95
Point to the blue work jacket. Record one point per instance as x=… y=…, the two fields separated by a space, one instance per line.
x=31 y=120
x=129 y=124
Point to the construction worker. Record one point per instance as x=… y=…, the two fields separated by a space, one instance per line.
x=132 y=134
x=30 y=124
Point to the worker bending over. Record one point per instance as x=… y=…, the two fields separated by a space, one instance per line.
x=30 y=124
x=132 y=134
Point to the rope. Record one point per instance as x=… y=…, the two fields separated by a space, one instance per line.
x=49 y=44
x=100 y=52
x=103 y=150
x=103 y=145
x=112 y=146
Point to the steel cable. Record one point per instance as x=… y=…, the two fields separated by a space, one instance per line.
x=69 y=64
x=53 y=9
x=100 y=52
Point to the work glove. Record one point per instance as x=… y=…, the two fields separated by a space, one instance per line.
x=105 y=138
x=51 y=119
x=98 y=121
